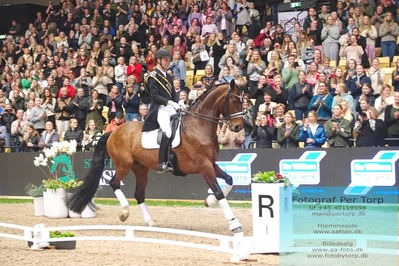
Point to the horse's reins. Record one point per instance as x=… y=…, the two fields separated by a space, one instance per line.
x=214 y=119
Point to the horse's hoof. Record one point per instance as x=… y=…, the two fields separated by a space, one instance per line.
x=123 y=214
x=151 y=223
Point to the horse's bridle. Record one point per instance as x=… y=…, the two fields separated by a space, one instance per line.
x=227 y=118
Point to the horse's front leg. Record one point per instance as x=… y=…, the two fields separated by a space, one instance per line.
x=211 y=200
x=234 y=225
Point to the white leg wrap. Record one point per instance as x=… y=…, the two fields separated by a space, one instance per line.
x=228 y=214
x=121 y=198
x=226 y=189
x=211 y=199
x=234 y=224
x=145 y=212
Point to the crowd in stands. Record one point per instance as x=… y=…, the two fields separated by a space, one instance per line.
x=79 y=70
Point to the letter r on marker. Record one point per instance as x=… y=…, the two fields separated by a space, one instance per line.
x=262 y=206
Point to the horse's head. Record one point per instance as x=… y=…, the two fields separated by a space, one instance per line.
x=233 y=107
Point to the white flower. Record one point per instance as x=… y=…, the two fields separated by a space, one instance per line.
x=40 y=160
x=72 y=147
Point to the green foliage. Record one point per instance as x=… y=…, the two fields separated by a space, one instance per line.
x=34 y=191
x=55 y=184
x=58 y=234
x=270 y=177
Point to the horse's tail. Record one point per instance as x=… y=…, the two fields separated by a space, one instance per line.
x=84 y=193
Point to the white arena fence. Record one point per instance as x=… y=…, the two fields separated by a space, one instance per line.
x=39 y=235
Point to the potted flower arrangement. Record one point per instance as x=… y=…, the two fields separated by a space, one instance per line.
x=56 y=164
x=270 y=177
x=71 y=244
x=271 y=197
x=36 y=192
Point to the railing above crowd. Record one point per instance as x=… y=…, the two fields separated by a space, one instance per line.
x=315 y=76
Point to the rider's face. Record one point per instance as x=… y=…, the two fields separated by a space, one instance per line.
x=165 y=62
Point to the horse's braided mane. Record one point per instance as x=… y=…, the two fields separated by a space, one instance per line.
x=200 y=99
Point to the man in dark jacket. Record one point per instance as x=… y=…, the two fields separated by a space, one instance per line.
x=355 y=84
x=74 y=133
x=163 y=105
x=7 y=117
x=80 y=106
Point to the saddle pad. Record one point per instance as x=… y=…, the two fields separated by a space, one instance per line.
x=149 y=139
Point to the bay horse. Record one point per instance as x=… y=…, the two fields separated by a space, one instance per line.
x=197 y=153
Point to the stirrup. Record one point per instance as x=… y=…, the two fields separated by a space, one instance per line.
x=164 y=167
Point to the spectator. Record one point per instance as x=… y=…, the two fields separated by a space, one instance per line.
x=371 y=131
x=18 y=127
x=388 y=31
x=3 y=132
x=377 y=76
x=255 y=69
x=224 y=20
x=395 y=76
x=312 y=133
x=367 y=94
x=230 y=139
x=301 y=96
x=369 y=31
x=353 y=51
x=248 y=110
x=30 y=140
x=290 y=73
x=263 y=132
x=7 y=117
x=70 y=89
x=38 y=116
x=321 y=103
x=209 y=27
x=267 y=107
x=241 y=10
x=338 y=129
x=178 y=67
x=91 y=136
x=288 y=133
x=95 y=108
x=197 y=48
x=143 y=111
x=48 y=104
x=120 y=73
x=330 y=36
x=100 y=83
x=354 y=84
x=48 y=137
x=63 y=111
x=341 y=94
x=84 y=82
x=135 y=69
x=210 y=78
x=131 y=103
x=74 y=133
x=116 y=122
x=114 y=103
x=383 y=101
x=392 y=120
x=79 y=107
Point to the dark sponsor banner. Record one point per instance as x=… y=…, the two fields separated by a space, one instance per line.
x=334 y=168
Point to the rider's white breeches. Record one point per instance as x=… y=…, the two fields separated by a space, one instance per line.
x=164 y=114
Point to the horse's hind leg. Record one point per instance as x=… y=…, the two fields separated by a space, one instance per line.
x=211 y=200
x=115 y=182
x=141 y=173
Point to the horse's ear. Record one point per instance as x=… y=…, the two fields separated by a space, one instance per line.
x=233 y=85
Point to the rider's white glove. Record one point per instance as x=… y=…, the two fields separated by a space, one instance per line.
x=175 y=105
x=182 y=105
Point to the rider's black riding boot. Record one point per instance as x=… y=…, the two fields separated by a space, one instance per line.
x=163 y=154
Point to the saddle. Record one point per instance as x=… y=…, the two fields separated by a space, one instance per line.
x=152 y=140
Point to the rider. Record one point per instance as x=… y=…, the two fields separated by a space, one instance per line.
x=163 y=105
